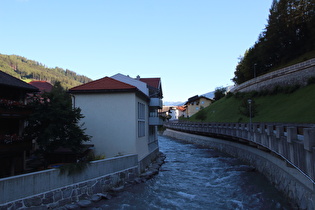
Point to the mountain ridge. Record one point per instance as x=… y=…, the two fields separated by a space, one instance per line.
x=26 y=69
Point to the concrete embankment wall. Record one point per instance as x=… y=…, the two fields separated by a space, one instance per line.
x=50 y=188
x=147 y=160
x=286 y=178
x=297 y=74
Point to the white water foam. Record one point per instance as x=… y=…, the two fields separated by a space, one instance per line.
x=186 y=195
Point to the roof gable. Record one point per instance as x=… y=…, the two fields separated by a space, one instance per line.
x=43 y=86
x=196 y=98
x=8 y=80
x=153 y=82
x=104 y=84
x=142 y=86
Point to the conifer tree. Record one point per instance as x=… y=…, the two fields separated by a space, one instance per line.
x=55 y=123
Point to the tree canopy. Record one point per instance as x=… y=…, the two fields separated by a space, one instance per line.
x=54 y=123
x=289 y=34
x=219 y=93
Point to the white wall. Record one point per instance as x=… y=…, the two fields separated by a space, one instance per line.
x=112 y=121
x=142 y=142
x=109 y=119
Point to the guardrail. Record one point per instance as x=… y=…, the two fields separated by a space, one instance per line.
x=294 y=143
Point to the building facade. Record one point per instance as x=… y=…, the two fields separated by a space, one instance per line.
x=119 y=114
x=14 y=111
x=195 y=104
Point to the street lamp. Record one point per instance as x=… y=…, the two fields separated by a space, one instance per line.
x=250 y=118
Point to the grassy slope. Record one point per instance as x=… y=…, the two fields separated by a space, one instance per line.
x=297 y=107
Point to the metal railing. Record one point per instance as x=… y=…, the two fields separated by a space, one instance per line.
x=295 y=143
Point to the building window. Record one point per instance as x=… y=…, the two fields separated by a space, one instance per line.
x=141 y=119
x=141 y=111
x=141 y=128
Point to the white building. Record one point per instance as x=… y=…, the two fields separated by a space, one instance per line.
x=174 y=112
x=120 y=113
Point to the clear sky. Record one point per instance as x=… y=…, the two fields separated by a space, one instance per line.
x=193 y=45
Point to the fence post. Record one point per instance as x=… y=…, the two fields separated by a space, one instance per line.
x=291 y=136
x=279 y=134
x=309 y=143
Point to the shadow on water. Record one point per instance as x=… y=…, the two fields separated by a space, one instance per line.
x=195 y=177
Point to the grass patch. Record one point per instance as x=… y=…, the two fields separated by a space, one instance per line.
x=296 y=107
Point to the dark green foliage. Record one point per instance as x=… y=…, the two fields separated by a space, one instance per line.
x=24 y=69
x=311 y=80
x=248 y=109
x=201 y=115
x=219 y=93
x=54 y=122
x=289 y=35
x=279 y=89
x=229 y=94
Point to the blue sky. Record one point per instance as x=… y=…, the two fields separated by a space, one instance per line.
x=193 y=45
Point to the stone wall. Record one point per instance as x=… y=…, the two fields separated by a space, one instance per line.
x=288 y=179
x=73 y=193
x=147 y=160
x=49 y=188
x=297 y=74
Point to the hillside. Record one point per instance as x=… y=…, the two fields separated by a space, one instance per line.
x=295 y=107
x=288 y=38
x=28 y=70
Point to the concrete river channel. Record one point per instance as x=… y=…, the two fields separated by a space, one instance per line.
x=193 y=177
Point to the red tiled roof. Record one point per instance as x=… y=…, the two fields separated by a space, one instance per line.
x=181 y=108
x=104 y=84
x=153 y=82
x=43 y=86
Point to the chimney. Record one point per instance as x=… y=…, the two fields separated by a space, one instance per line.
x=138 y=77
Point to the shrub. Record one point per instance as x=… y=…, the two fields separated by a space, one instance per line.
x=246 y=109
x=311 y=80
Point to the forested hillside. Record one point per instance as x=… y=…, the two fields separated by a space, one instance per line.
x=289 y=37
x=25 y=69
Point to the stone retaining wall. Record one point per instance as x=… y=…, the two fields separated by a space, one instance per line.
x=297 y=74
x=289 y=180
x=49 y=188
x=73 y=193
x=147 y=160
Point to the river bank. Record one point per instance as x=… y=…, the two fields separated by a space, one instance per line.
x=195 y=177
x=93 y=201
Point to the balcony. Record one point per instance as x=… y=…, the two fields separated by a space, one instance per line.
x=156 y=102
x=10 y=108
x=155 y=121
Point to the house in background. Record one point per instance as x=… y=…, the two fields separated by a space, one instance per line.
x=43 y=86
x=173 y=112
x=13 y=113
x=195 y=104
x=121 y=115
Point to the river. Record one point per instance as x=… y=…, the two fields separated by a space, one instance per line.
x=199 y=178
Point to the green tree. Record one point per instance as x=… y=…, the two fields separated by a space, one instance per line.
x=248 y=109
x=289 y=34
x=219 y=93
x=54 y=123
x=201 y=115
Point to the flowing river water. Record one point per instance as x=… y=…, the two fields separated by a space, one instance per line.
x=199 y=178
